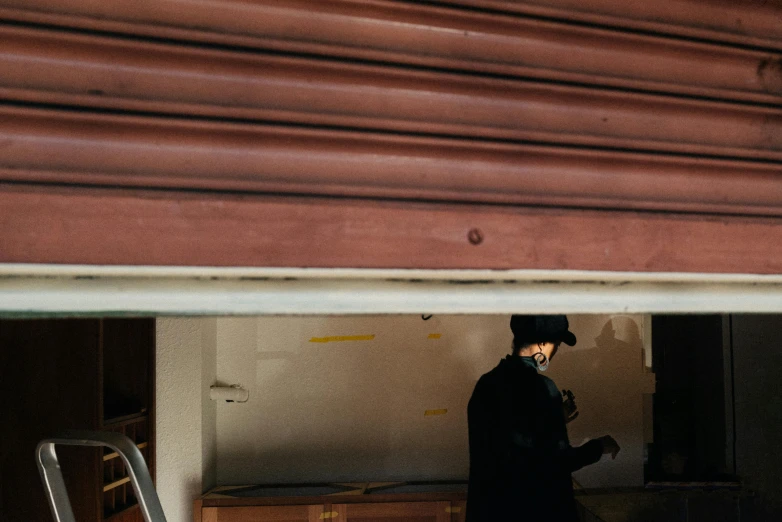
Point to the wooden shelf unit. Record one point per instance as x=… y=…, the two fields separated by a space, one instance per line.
x=93 y=374
x=118 y=494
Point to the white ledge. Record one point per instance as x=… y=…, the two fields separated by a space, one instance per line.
x=55 y=290
x=207 y=272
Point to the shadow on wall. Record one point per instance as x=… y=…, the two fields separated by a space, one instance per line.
x=605 y=372
x=615 y=363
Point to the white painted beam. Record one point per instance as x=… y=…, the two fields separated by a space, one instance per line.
x=208 y=272
x=61 y=290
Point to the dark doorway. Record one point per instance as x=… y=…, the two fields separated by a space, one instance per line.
x=693 y=430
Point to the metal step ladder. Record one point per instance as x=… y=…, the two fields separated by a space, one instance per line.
x=51 y=474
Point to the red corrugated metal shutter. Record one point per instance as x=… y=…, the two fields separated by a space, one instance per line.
x=590 y=134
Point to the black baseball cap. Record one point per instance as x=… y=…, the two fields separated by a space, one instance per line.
x=529 y=329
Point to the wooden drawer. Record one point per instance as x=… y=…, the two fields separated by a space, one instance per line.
x=458 y=511
x=394 y=512
x=313 y=513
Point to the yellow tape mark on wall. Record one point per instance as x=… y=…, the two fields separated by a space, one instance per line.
x=453 y=509
x=328 y=514
x=435 y=336
x=429 y=413
x=340 y=338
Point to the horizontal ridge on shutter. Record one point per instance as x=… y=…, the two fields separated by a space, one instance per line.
x=425 y=35
x=59 y=68
x=128 y=227
x=134 y=151
x=744 y=22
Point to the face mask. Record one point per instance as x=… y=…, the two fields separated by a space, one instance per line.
x=541 y=361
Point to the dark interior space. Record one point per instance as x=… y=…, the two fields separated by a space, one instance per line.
x=82 y=374
x=716 y=415
x=692 y=434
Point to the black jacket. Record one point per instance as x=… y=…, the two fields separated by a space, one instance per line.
x=520 y=456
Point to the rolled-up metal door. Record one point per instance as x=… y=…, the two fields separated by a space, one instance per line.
x=590 y=134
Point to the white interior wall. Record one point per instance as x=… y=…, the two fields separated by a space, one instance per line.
x=208 y=407
x=355 y=410
x=185 y=417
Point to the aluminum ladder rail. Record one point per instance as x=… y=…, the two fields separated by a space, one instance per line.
x=53 y=483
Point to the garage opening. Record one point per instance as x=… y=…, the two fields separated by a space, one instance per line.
x=363 y=417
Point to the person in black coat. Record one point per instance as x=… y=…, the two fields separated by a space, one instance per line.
x=520 y=457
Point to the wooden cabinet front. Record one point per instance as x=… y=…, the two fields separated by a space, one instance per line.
x=312 y=513
x=394 y=512
x=359 y=502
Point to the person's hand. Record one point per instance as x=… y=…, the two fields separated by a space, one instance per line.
x=609 y=445
x=569 y=406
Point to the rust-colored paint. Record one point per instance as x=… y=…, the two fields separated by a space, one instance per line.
x=61 y=68
x=93 y=226
x=64 y=147
x=436 y=37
